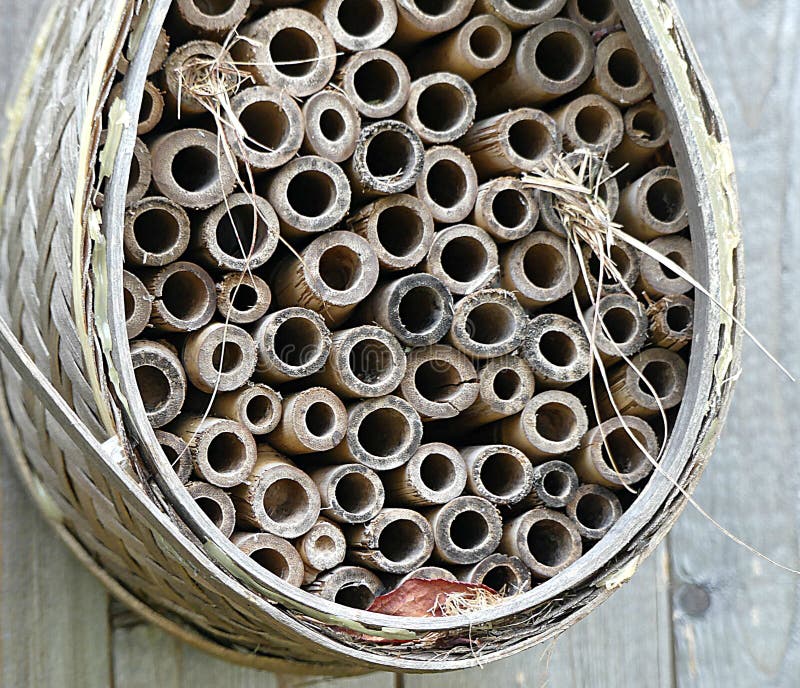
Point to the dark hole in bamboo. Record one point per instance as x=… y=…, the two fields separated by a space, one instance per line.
x=491 y=323
x=320 y=419
x=297 y=341
x=620 y=259
x=621 y=324
x=156 y=230
x=389 y=153
x=499 y=578
x=624 y=67
x=356 y=596
x=596 y=10
x=441 y=107
x=510 y=208
x=620 y=452
x=661 y=378
x=446 y=183
x=340 y=267
x=679 y=317
x=272 y=560
x=502 y=474
x=184 y=295
x=266 y=125
x=469 y=530
x=649 y=125
x=130 y=304
x=437 y=381
x=528 y=138
x=226 y=452
x=259 y=409
x=435 y=8
x=293 y=52
x=556 y=484
x=146 y=109
x=400 y=230
x=555 y=422
x=227 y=357
x=506 y=384
x=665 y=200
x=485 y=42
x=285 y=500
x=558 y=348
x=400 y=541
x=464 y=259
x=676 y=258
x=211 y=509
x=360 y=17
x=376 y=82
x=436 y=472
x=355 y=493
x=332 y=124
x=194 y=168
x=420 y=309
x=370 y=361
x=384 y=432
x=325 y=545
x=543 y=265
x=594 y=511
x=244 y=298
x=548 y=542
x=592 y=124
x=153 y=386
x=241 y=232
x=559 y=56
x=136 y=170
x=214 y=8
x=311 y=193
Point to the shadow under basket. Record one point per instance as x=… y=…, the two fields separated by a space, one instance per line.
x=74 y=423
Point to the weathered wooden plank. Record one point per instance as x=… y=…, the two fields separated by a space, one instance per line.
x=737 y=619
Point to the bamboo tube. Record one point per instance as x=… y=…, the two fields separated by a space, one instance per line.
x=349 y=493
x=242 y=298
x=428 y=573
x=590 y=123
x=310 y=195
x=440 y=382
x=376 y=82
x=594 y=509
x=465 y=530
x=547 y=62
x=223 y=451
x=505 y=385
x=351 y=586
x=388 y=159
x=506 y=208
x=156 y=232
x=499 y=473
x=625 y=319
x=187 y=170
x=435 y=474
x=292 y=343
x=188 y=63
x=666 y=373
x=160 y=52
x=512 y=142
x=418 y=20
x=593 y=15
x=646 y=132
x=177 y=453
x=314 y=420
x=520 y=15
x=276 y=497
x=331 y=276
x=216 y=504
x=545 y=540
x=448 y=184
x=554 y=486
x=258 y=407
x=357 y=25
x=618 y=73
x=609 y=456
x=138 y=304
x=364 y=362
x=151 y=110
x=627 y=261
x=141 y=173
x=395 y=541
x=487 y=324
x=658 y=280
x=160 y=379
x=399 y=228
x=550 y=425
x=290 y=50
x=440 y=108
x=332 y=125
x=184 y=298
x=653 y=206
x=507 y=575
x=417 y=309
x=273 y=554
x=472 y=49
x=270 y=127
x=382 y=434
x=213 y=19
x=464 y=258
x=557 y=350
x=321 y=548
x=219 y=357
x=672 y=322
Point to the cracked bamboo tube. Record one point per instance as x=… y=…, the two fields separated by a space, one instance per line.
x=216 y=504
x=313 y=420
x=161 y=381
x=505 y=385
x=395 y=541
x=220 y=357
x=672 y=322
x=349 y=493
x=435 y=474
x=465 y=530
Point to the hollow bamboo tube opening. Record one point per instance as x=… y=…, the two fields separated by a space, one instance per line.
x=466 y=530
x=672 y=322
x=184 y=298
x=160 y=379
x=627 y=262
x=646 y=132
x=160 y=52
x=594 y=15
x=321 y=548
x=212 y=18
x=440 y=382
x=332 y=275
x=448 y=184
x=357 y=25
x=151 y=110
x=513 y=142
x=364 y=362
x=590 y=123
x=351 y=586
x=653 y=205
x=435 y=474
x=140 y=175
x=310 y=195
x=399 y=228
x=177 y=453
x=505 y=385
x=332 y=126
x=557 y=350
x=290 y=50
x=388 y=159
x=464 y=258
x=487 y=324
x=219 y=357
x=417 y=309
x=440 y=108
x=499 y=473
x=619 y=326
x=314 y=420
x=519 y=14
x=291 y=343
x=618 y=73
x=376 y=82
x=216 y=504
x=418 y=20
x=242 y=298
x=546 y=540
x=188 y=65
x=270 y=127
x=657 y=279
x=633 y=385
x=551 y=424
x=349 y=493
x=382 y=434
x=428 y=573
x=395 y=541
x=554 y=485
x=156 y=232
x=258 y=407
x=506 y=575
x=273 y=554
x=594 y=510
x=506 y=208
x=138 y=304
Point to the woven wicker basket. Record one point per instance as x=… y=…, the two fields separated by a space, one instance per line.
x=76 y=426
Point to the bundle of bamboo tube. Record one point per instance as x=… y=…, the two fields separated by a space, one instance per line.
x=360 y=332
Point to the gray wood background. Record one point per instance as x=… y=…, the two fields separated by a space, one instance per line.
x=702 y=612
